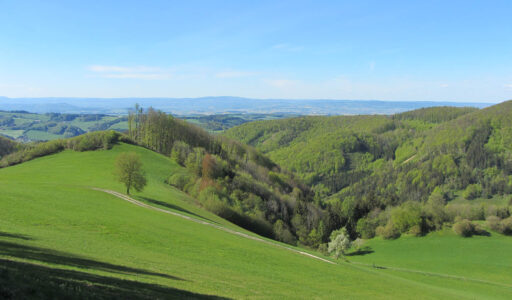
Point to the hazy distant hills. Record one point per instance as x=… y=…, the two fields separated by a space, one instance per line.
x=218 y=105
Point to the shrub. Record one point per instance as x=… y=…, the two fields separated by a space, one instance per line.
x=94 y=141
x=405 y=217
x=358 y=244
x=388 y=232
x=435 y=209
x=493 y=223
x=33 y=151
x=180 y=180
x=464 y=228
x=416 y=230
x=506 y=226
x=323 y=248
x=213 y=202
x=366 y=227
x=180 y=152
x=465 y=211
x=283 y=234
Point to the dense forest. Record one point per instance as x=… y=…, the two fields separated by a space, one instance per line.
x=408 y=173
x=230 y=179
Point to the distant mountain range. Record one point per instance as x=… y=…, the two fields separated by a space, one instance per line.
x=220 y=105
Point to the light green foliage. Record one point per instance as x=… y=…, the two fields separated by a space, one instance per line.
x=406 y=217
x=129 y=171
x=339 y=242
x=435 y=209
x=472 y=191
x=502 y=226
x=359 y=163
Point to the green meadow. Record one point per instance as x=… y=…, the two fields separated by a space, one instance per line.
x=61 y=239
x=443 y=255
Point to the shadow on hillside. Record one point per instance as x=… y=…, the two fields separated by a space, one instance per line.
x=29 y=281
x=362 y=251
x=65 y=259
x=15 y=236
x=174 y=207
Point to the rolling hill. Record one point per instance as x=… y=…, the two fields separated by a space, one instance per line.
x=60 y=238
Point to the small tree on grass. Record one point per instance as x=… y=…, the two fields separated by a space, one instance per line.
x=129 y=171
x=340 y=242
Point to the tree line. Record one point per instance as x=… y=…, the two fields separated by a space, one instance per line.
x=231 y=179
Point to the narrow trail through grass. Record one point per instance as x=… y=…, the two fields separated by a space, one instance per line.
x=141 y=204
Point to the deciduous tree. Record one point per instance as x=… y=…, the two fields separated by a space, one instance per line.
x=129 y=171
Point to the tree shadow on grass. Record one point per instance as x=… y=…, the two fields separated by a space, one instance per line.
x=174 y=207
x=20 y=280
x=361 y=251
x=66 y=259
x=15 y=236
x=482 y=232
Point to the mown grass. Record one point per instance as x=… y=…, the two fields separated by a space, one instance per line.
x=59 y=238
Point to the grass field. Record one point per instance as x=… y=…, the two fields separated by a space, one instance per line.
x=59 y=238
x=484 y=258
x=38 y=135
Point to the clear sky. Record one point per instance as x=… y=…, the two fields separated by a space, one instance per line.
x=388 y=50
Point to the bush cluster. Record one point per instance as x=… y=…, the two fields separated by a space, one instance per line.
x=86 y=142
x=464 y=228
x=503 y=226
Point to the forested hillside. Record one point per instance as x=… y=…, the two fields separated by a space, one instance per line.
x=231 y=179
x=408 y=173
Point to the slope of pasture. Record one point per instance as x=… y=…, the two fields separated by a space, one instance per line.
x=59 y=238
x=479 y=258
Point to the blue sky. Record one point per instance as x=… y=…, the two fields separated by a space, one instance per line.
x=388 y=50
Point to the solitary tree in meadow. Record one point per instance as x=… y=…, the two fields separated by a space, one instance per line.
x=129 y=171
x=340 y=242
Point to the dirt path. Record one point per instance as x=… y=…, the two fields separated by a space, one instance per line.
x=141 y=204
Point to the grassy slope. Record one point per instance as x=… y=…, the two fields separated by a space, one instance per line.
x=485 y=258
x=49 y=216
